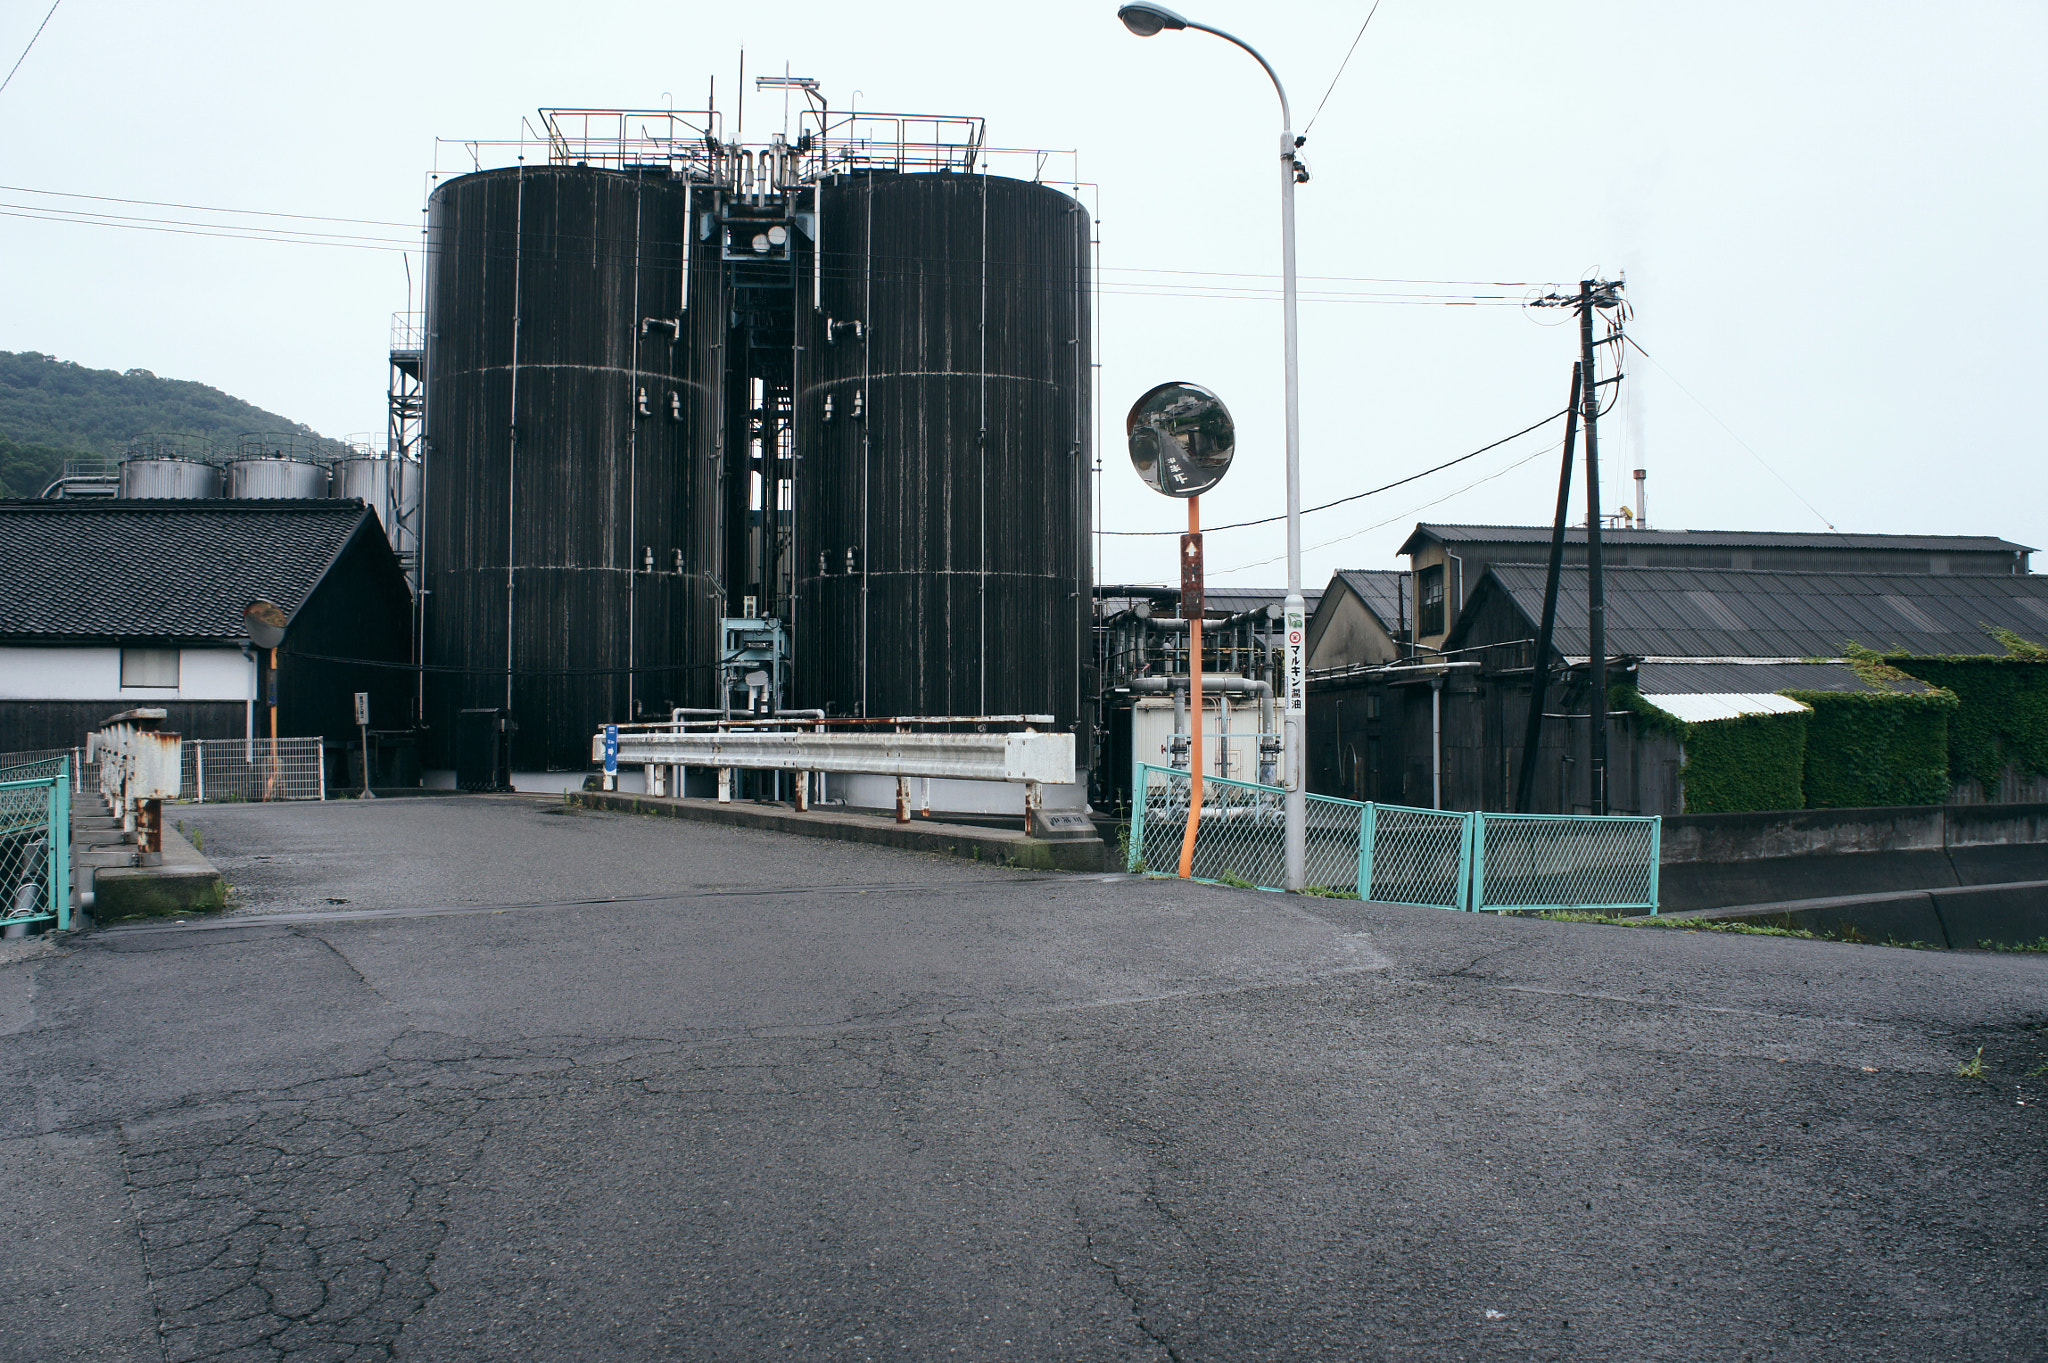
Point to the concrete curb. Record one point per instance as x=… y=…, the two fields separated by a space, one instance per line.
x=186 y=882
x=997 y=846
x=1959 y=917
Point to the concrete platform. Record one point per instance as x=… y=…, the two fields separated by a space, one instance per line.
x=997 y=846
x=1959 y=917
x=185 y=883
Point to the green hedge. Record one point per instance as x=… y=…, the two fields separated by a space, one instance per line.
x=2003 y=719
x=1732 y=765
x=1867 y=748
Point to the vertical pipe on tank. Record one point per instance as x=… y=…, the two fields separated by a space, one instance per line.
x=981 y=445
x=633 y=329
x=867 y=312
x=512 y=427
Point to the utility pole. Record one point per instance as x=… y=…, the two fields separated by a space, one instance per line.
x=1593 y=296
x=1539 y=684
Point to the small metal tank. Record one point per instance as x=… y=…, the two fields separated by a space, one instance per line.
x=169 y=476
x=390 y=486
x=296 y=478
x=280 y=464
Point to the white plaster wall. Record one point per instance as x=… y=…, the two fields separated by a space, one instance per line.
x=84 y=673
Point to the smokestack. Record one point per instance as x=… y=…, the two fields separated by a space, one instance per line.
x=1642 y=506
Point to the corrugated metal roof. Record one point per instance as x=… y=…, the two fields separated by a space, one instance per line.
x=1704 y=678
x=163 y=569
x=1731 y=613
x=1759 y=539
x=1700 y=707
x=1382 y=590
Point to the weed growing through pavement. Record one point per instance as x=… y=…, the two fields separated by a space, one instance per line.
x=1973 y=1068
x=2041 y=945
x=1325 y=892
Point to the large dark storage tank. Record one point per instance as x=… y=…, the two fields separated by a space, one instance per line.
x=550 y=482
x=943 y=505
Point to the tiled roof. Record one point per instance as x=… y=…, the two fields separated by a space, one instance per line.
x=1732 y=539
x=90 y=569
x=1382 y=590
x=1727 y=613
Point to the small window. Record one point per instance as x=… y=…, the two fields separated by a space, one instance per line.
x=1429 y=615
x=149 y=667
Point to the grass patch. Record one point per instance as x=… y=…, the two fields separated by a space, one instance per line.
x=1325 y=892
x=1678 y=924
x=2041 y=945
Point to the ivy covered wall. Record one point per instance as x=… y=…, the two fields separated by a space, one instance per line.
x=2002 y=720
x=1732 y=765
x=1866 y=748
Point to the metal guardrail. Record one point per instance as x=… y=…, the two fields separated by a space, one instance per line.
x=1395 y=854
x=1045 y=758
x=35 y=850
x=236 y=770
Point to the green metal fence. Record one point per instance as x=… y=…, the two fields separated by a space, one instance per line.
x=1395 y=854
x=35 y=847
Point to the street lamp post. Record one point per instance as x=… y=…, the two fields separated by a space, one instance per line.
x=1146 y=20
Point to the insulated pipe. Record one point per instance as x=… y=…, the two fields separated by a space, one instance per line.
x=1269 y=748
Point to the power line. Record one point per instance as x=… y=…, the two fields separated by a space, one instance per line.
x=248 y=212
x=1731 y=432
x=1340 y=67
x=1370 y=492
x=1401 y=516
x=31 y=44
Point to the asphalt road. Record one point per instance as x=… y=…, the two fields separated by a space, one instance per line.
x=472 y=1079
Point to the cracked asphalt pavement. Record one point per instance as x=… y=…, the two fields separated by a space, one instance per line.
x=477 y=1079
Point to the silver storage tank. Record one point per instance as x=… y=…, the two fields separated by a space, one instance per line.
x=390 y=487
x=169 y=476
x=276 y=478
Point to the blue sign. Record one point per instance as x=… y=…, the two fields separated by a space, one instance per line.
x=611 y=750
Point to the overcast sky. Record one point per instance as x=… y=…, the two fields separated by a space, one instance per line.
x=1830 y=216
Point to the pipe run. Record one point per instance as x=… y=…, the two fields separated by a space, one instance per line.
x=1223 y=684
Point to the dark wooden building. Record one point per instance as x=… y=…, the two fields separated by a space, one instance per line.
x=113 y=604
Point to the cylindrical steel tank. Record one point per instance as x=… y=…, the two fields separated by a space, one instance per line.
x=390 y=487
x=568 y=528
x=169 y=477
x=943 y=506
x=276 y=478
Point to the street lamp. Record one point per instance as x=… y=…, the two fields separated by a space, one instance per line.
x=1145 y=21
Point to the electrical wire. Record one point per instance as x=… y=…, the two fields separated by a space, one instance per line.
x=1340 y=67
x=248 y=212
x=31 y=44
x=1731 y=433
x=1370 y=492
x=1400 y=516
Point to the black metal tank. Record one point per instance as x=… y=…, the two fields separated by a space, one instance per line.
x=570 y=527
x=944 y=429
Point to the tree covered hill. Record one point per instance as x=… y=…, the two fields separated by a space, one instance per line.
x=52 y=410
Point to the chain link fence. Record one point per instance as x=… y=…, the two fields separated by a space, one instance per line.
x=34 y=763
x=35 y=848
x=228 y=770
x=1395 y=854
x=1565 y=861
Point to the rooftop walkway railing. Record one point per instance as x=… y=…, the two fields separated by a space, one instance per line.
x=1496 y=863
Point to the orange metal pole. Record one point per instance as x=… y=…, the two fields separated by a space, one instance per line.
x=270 y=790
x=1187 y=840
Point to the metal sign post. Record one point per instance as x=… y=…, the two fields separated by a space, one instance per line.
x=1182 y=440
x=363 y=727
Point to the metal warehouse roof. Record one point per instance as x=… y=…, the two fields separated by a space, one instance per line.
x=1757 y=539
x=1731 y=613
x=1382 y=590
x=1700 y=707
x=1703 y=678
x=89 y=569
